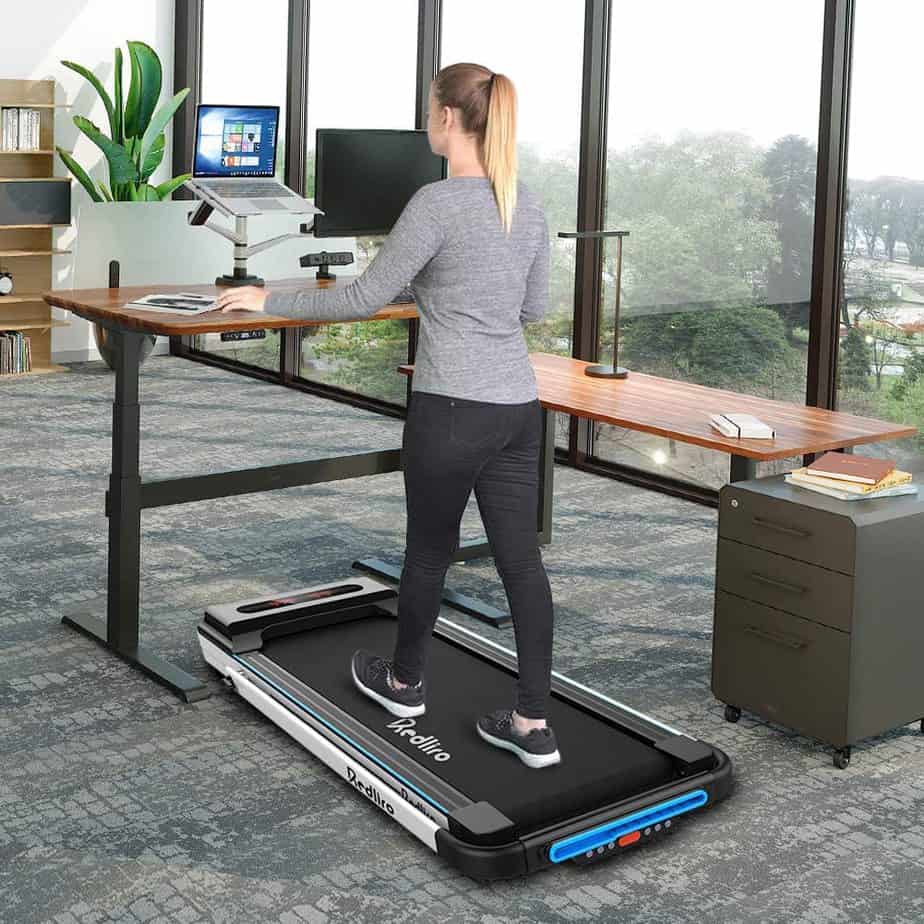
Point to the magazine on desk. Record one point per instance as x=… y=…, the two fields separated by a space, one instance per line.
x=174 y=303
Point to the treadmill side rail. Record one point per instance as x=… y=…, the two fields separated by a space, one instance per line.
x=379 y=793
x=692 y=755
x=481 y=823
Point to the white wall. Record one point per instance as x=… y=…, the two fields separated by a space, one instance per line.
x=86 y=32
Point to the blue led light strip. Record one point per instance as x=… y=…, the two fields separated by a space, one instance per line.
x=607 y=833
x=340 y=734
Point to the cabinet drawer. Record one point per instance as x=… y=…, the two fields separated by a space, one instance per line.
x=784 y=668
x=797 y=531
x=809 y=591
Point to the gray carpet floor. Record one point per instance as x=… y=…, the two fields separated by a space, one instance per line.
x=120 y=803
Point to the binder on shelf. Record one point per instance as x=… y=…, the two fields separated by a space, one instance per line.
x=10 y=117
x=20 y=128
x=15 y=353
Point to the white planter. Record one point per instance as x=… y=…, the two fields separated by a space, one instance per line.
x=155 y=245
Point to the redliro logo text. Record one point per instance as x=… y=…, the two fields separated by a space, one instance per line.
x=369 y=791
x=406 y=728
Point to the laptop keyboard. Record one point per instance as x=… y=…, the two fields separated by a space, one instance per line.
x=250 y=190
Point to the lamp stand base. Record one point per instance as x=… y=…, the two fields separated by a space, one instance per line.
x=606 y=372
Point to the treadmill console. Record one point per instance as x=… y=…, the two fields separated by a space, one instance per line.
x=305 y=596
x=246 y=624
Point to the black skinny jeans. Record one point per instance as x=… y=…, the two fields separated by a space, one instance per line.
x=450 y=446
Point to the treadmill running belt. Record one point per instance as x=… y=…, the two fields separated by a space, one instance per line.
x=600 y=763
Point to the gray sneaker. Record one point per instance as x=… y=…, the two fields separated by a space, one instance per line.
x=537 y=749
x=371 y=675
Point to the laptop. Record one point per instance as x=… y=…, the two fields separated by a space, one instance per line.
x=234 y=163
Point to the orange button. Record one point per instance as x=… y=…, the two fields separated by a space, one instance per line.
x=627 y=839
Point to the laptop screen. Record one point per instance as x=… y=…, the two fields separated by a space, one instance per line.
x=235 y=141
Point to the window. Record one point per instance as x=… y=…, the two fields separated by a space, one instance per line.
x=362 y=73
x=711 y=169
x=881 y=324
x=244 y=64
x=546 y=70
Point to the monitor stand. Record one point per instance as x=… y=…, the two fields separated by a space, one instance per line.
x=242 y=249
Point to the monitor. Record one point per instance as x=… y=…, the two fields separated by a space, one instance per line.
x=364 y=177
x=235 y=140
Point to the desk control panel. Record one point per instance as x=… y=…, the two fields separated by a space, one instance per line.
x=324 y=259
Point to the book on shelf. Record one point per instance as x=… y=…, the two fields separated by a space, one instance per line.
x=844 y=466
x=15 y=353
x=19 y=128
x=893 y=479
x=742 y=426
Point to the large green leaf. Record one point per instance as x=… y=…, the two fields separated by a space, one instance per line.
x=82 y=176
x=94 y=80
x=118 y=131
x=153 y=158
x=168 y=186
x=160 y=120
x=132 y=100
x=121 y=167
x=148 y=193
x=147 y=74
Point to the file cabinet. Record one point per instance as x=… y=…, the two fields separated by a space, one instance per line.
x=819 y=611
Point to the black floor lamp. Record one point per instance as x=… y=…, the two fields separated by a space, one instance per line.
x=605 y=370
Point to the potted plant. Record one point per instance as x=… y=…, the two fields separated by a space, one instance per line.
x=133 y=150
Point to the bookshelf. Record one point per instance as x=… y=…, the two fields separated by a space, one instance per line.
x=27 y=251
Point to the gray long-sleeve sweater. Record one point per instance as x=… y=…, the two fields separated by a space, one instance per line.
x=475 y=288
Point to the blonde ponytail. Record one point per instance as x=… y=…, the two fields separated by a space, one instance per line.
x=488 y=103
x=500 y=146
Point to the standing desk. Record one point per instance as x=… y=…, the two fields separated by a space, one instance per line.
x=661 y=406
x=675 y=410
x=128 y=495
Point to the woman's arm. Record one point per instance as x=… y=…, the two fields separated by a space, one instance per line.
x=536 y=300
x=412 y=243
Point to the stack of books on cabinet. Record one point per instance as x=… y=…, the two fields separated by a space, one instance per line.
x=33 y=202
x=853 y=477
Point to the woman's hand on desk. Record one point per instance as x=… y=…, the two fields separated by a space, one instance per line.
x=244 y=298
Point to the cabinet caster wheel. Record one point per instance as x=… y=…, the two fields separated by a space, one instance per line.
x=733 y=713
x=842 y=758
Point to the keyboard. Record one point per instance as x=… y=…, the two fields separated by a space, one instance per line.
x=250 y=190
x=404 y=297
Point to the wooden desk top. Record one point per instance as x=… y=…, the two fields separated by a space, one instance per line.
x=681 y=411
x=107 y=305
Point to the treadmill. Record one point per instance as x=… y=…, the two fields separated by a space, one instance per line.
x=624 y=779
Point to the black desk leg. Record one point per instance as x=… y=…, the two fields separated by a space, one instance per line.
x=478 y=548
x=742 y=468
x=546 y=476
x=123 y=507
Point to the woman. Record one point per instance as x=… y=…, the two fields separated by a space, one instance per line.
x=475 y=250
